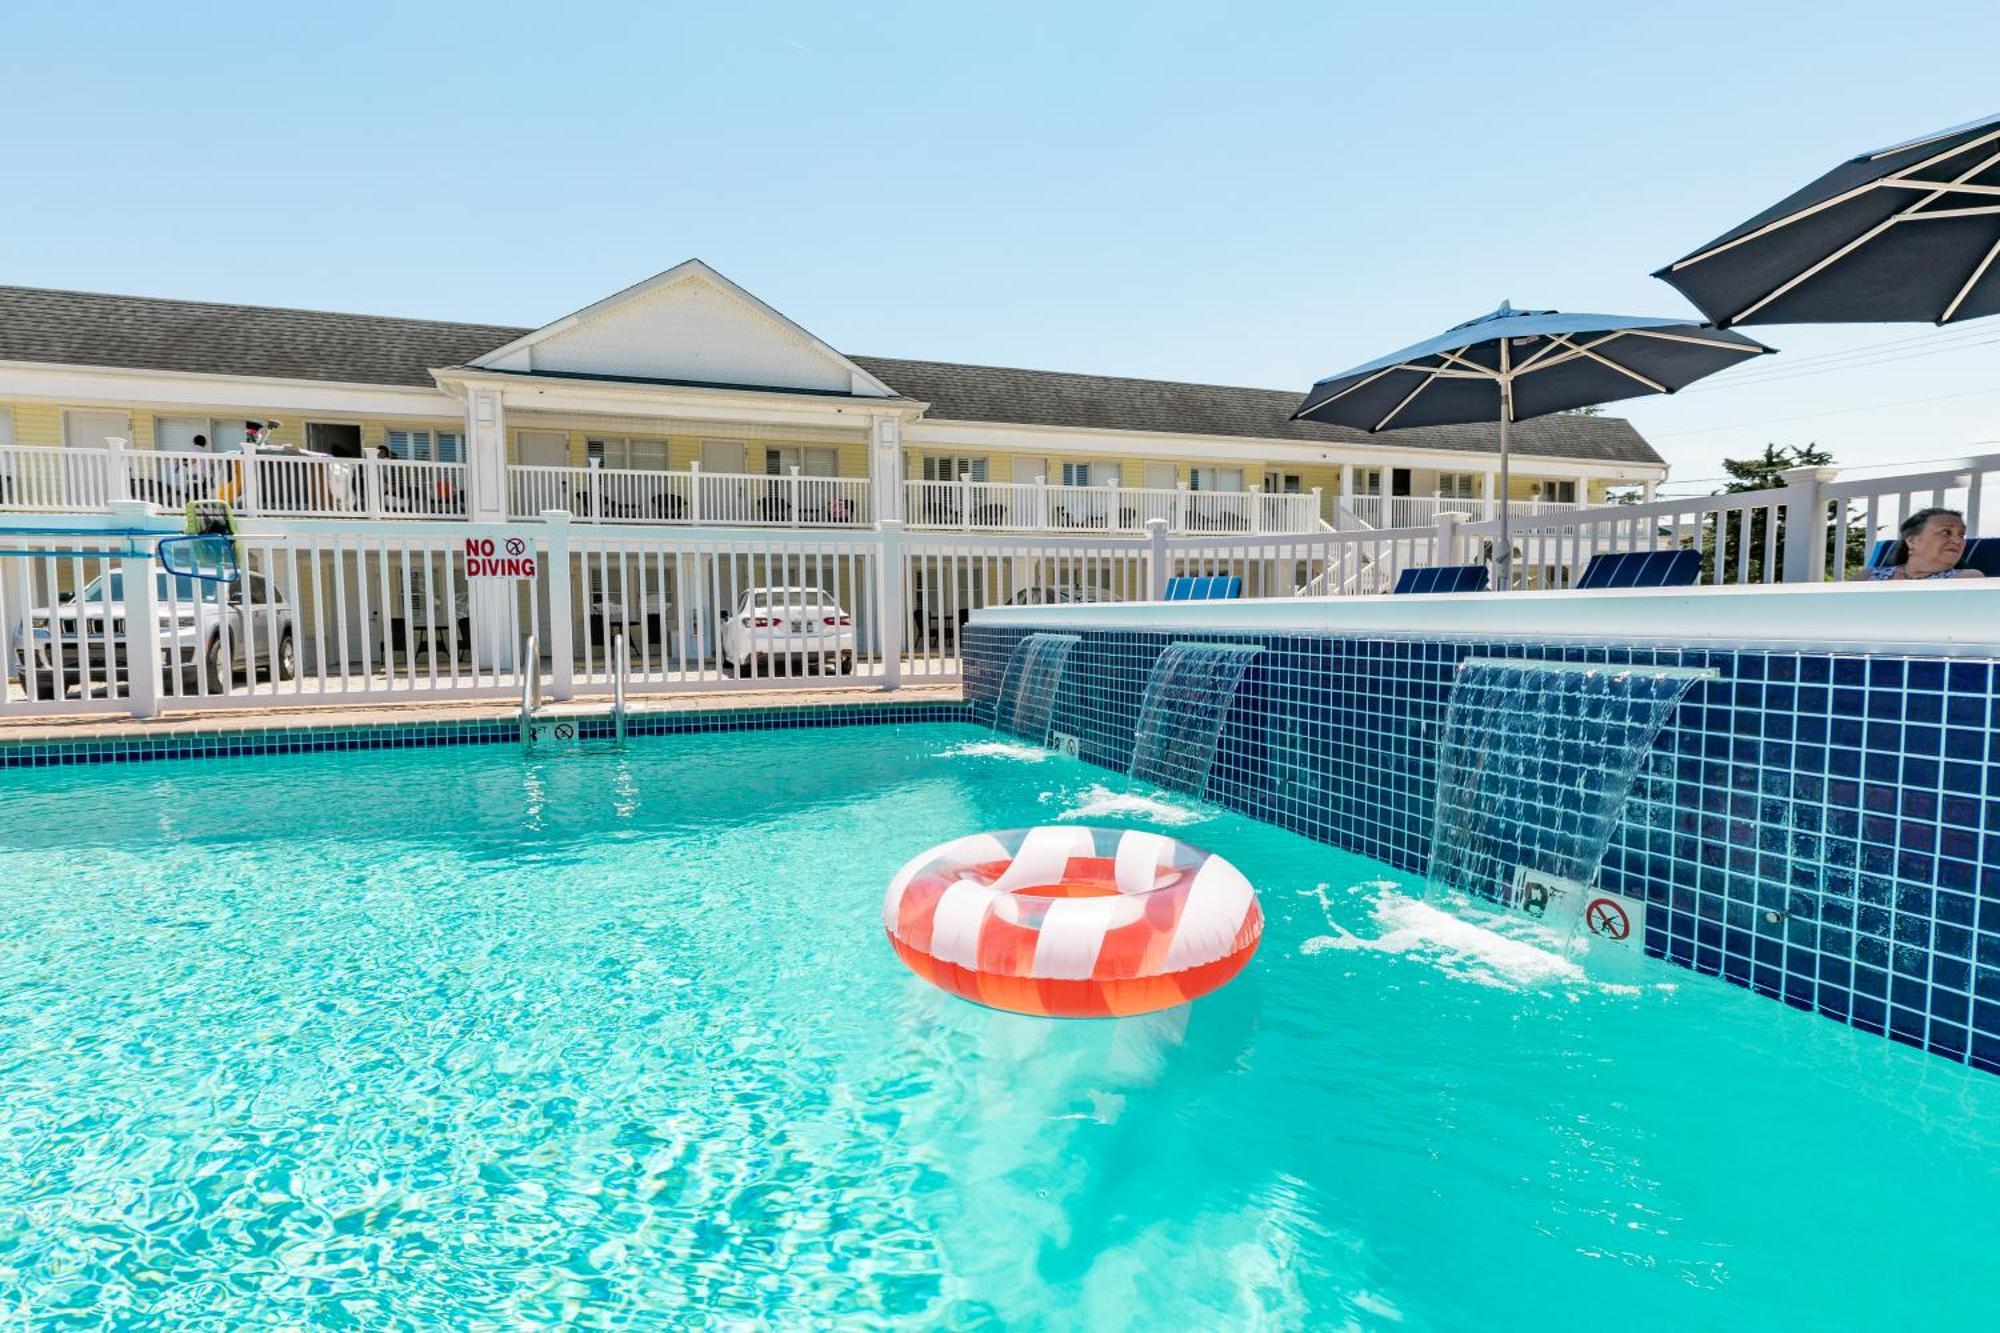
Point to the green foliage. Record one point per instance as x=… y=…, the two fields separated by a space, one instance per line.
x=1736 y=545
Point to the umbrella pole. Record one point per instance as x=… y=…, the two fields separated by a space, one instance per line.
x=1506 y=413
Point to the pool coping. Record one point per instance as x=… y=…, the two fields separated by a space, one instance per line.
x=97 y=739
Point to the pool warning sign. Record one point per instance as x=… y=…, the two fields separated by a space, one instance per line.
x=488 y=559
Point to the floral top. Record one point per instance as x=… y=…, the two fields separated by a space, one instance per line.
x=1887 y=572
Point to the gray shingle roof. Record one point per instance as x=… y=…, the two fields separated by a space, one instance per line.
x=199 y=337
x=1108 y=402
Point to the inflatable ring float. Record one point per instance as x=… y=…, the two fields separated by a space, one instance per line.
x=1073 y=922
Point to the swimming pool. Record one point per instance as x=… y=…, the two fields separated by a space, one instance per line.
x=448 y=1035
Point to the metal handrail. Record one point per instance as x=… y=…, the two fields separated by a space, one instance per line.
x=622 y=660
x=531 y=688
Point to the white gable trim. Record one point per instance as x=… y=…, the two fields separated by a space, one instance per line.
x=518 y=355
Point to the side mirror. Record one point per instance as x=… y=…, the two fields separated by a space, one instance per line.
x=66 y=596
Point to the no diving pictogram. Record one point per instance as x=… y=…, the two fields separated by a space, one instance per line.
x=1607 y=918
x=515 y=546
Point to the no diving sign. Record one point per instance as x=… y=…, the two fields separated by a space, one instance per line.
x=507 y=559
x=1610 y=919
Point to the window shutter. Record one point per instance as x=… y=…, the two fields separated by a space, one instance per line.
x=399 y=443
x=978 y=469
x=450 y=447
x=774 y=462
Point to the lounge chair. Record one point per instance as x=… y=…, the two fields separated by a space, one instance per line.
x=1642 y=569
x=1204 y=588
x=1981 y=553
x=1442 y=578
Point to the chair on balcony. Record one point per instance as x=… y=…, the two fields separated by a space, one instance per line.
x=1642 y=569
x=1981 y=553
x=1203 y=588
x=1442 y=578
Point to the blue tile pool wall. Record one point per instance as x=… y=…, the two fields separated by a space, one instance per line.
x=141 y=748
x=1822 y=828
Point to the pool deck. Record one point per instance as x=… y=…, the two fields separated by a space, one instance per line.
x=88 y=726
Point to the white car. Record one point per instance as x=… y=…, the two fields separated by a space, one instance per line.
x=775 y=629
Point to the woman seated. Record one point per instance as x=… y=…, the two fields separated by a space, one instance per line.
x=1929 y=545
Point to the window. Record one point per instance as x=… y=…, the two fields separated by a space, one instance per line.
x=6 y=425
x=953 y=467
x=1561 y=492
x=779 y=461
x=620 y=452
x=1215 y=478
x=1458 y=485
x=1283 y=483
x=1368 y=481
x=428 y=446
x=1089 y=473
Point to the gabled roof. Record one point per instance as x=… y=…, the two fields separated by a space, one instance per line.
x=204 y=338
x=730 y=338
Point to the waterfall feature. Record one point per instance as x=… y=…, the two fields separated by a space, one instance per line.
x=1534 y=766
x=1187 y=696
x=1029 y=686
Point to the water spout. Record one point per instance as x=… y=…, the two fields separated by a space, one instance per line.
x=1188 y=694
x=1534 y=768
x=1028 y=688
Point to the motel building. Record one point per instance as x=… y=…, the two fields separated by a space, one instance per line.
x=687 y=400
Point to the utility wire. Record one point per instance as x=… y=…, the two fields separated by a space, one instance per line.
x=1834 y=412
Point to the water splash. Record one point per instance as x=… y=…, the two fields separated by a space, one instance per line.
x=1026 y=754
x=1100 y=802
x=1534 y=766
x=1028 y=688
x=1188 y=693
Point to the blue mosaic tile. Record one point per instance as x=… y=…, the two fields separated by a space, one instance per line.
x=1821 y=828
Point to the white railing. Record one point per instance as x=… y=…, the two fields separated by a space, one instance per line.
x=597 y=494
x=1015 y=506
x=57 y=479
x=1417 y=511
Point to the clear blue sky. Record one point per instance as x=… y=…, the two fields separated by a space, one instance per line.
x=1249 y=194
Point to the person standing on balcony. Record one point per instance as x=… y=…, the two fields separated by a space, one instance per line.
x=1929 y=545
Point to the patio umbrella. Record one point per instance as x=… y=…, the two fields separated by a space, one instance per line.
x=1908 y=233
x=1514 y=364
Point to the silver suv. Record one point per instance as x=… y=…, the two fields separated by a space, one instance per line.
x=206 y=632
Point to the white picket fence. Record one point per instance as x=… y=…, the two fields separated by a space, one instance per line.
x=369 y=609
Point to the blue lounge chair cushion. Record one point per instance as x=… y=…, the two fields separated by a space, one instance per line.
x=1442 y=578
x=1981 y=553
x=1643 y=569
x=1204 y=588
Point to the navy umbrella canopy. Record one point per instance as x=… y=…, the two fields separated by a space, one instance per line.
x=1903 y=234
x=1514 y=364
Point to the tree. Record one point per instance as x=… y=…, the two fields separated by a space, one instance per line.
x=1738 y=542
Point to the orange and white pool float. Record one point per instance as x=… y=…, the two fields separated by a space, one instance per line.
x=1073 y=922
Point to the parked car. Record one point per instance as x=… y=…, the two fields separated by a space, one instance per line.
x=1060 y=596
x=68 y=644
x=781 y=628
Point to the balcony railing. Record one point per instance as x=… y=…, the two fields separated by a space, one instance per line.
x=1002 y=506
x=1412 y=511
x=59 y=479
x=723 y=499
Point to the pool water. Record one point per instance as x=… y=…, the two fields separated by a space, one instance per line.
x=454 y=1038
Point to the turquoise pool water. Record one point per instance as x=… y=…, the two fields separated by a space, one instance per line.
x=447 y=1038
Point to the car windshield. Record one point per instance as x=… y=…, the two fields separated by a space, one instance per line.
x=184 y=589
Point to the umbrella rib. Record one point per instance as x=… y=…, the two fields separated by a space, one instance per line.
x=1859 y=241
x=1979 y=211
x=1906 y=183
x=1970 y=283
x=1627 y=372
x=1358 y=384
x=1550 y=353
x=1825 y=204
x=1421 y=386
x=1750 y=347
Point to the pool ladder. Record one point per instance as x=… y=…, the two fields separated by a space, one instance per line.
x=531 y=691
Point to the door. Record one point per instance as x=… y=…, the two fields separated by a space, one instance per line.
x=724 y=456
x=339 y=439
x=542 y=448
x=91 y=429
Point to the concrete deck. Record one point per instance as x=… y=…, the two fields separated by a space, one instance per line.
x=90 y=726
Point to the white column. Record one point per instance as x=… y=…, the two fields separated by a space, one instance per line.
x=1583 y=490
x=1346 y=485
x=885 y=465
x=143 y=647
x=1646 y=489
x=1491 y=481
x=492 y=601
